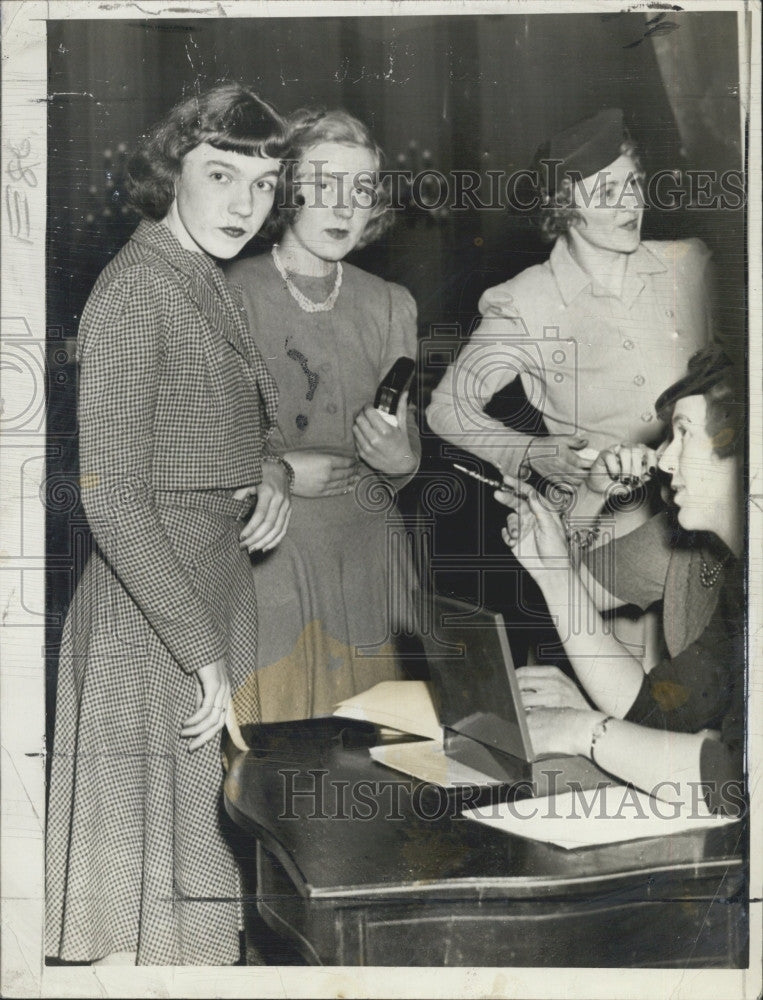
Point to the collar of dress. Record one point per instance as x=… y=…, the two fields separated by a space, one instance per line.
x=161 y=240
x=205 y=282
x=572 y=279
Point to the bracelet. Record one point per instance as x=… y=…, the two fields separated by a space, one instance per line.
x=279 y=460
x=581 y=537
x=598 y=731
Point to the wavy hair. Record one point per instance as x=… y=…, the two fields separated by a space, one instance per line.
x=307 y=128
x=714 y=375
x=227 y=116
x=557 y=211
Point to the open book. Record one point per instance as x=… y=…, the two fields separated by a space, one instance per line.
x=581 y=818
x=407 y=707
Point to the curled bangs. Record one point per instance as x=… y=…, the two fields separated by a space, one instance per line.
x=272 y=147
x=228 y=117
x=249 y=127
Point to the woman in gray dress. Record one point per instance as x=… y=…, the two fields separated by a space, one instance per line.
x=330 y=596
x=175 y=402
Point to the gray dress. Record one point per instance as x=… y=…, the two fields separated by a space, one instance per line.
x=332 y=594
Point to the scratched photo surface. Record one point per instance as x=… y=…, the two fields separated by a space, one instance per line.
x=360 y=867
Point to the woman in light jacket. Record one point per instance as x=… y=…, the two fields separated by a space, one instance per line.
x=595 y=333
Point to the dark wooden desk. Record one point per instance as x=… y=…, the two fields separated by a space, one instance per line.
x=353 y=873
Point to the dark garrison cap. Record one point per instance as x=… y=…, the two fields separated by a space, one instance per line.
x=585 y=147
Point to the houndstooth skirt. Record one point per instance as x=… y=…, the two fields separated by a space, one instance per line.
x=137 y=857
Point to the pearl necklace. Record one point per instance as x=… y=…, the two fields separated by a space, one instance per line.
x=302 y=300
x=708 y=576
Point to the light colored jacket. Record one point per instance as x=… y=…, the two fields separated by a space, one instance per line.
x=591 y=363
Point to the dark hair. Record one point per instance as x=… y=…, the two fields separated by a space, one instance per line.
x=227 y=116
x=712 y=374
x=308 y=128
x=557 y=212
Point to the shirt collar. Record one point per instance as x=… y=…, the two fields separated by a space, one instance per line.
x=204 y=281
x=572 y=279
x=161 y=240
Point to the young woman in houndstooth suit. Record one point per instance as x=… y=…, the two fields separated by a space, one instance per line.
x=175 y=406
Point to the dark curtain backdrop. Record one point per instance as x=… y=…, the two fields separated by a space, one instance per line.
x=463 y=93
x=457 y=93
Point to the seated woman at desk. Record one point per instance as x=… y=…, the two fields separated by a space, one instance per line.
x=683 y=721
x=330 y=333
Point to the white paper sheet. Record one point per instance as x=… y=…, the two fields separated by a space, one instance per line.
x=592 y=817
x=426 y=760
x=402 y=705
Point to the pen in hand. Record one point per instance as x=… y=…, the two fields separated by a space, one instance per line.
x=503 y=487
x=482 y=479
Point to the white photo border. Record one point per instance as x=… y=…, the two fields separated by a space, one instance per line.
x=22 y=554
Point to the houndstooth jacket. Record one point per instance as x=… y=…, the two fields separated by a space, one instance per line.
x=174 y=397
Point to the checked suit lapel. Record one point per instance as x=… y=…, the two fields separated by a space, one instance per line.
x=225 y=310
x=209 y=294
x=220 y=306
x=265 y=381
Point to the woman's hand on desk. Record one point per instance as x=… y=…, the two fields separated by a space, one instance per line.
x=627 y=465
x=548 y=687
x=321 y=474
x=213 y=697
x=561 y=730
x=385 y=447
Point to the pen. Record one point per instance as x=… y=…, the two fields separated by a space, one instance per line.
x=504 y=487
x=475 y=475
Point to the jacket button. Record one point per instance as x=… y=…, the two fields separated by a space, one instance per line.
x=647 y=417
x=670 y=312
x=639 y=380
x=628 y=345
